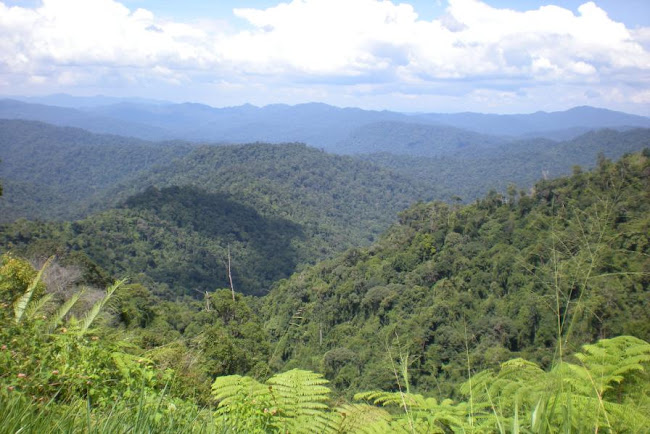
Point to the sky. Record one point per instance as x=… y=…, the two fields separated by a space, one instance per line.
x=491 y=56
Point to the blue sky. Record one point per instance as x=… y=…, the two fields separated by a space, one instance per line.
x=633 y=13
x=421 y=55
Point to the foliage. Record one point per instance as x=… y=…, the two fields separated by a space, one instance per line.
x=289 y=402
x=229 y=336
x=607 y=389
x=293 y=401
x=64 y=363
x=519 y=397
x=449 y=285
x=54 y=173
x=498 y=295
x=18 y=413
x=420 y=414
x=470 y=172
x=275 y=207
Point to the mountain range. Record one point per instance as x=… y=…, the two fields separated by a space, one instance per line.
x=334 y=129
x=279 y=204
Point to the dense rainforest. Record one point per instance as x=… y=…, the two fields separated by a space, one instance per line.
x=57 y=173
x=524 y=311
x=275 y=207
x=501 y=278
x=468 y=172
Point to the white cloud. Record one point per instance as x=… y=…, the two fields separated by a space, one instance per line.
x=340 y=36
x=355 y=43
x=64 y=33
x=642 y=97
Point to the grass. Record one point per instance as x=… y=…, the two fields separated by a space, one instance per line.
x=21 y=415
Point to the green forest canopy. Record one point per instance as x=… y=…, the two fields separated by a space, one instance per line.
x=449 y=292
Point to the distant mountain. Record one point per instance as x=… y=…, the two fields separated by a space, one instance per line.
x=341 y=130
x=403 y=138
x=12 y=109
x=70 y=101
x=316 y=124
x=539 y=123
x=470 y=175
x=54 y=172
x=344 y=129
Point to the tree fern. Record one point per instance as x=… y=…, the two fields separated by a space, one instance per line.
x=609 y=361
x=299 y=397
x=358 y=418
x=244 y=405
x=425 y=414
x=293 y=401
x=518 y=380
x=229 y=389
x=574 y=397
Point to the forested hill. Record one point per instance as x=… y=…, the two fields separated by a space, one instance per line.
x=470 y=172
x=293 y=181
x=64 y=173
x=54 y=172
x=413 y=139
x=451 y=288
x=447 y=291
x=275 y=206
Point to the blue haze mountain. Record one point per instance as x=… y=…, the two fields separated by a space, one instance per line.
x=340 y=130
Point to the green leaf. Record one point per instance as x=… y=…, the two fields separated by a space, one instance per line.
x=21 y=304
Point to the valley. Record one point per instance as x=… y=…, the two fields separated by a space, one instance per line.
x=421 y=256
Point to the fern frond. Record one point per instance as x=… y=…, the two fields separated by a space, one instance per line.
x=425 y=414
x=386 y=399
x=607 y=362
x=21 y=304
x=244 y=404
x=63 y=310
x=298 y=392
x=35 y=308
x=517 y=381
x=229 y=388
x=97 y=307
x=571 y=397
x=358 y=419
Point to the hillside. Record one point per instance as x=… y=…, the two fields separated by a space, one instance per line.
x=292 y=181
x=402 y=138
x=471 y=174
x=488 y=304
x=54 y=172
x=479 y=284
x=63 y=173
x=277 y=207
